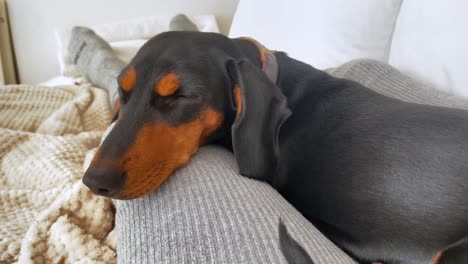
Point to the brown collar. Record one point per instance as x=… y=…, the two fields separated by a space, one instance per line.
x=269 y=62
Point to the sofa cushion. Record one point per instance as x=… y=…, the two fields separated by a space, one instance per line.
x=322 y=33
x=386 y=80
x=431 y=43
x=207 y=213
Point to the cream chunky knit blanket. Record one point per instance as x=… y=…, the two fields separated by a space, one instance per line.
x=46 y=214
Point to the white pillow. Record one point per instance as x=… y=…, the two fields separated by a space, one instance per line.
x=126 y=37
x=322 y=33
x=431 y=43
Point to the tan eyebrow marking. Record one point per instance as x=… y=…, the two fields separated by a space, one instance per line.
x=168 y=84
x=128 y=79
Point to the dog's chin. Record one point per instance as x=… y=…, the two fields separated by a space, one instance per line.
x=128 y=198
x=138 y=187
x=135 y=194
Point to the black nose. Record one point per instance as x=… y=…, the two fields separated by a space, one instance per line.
x=104 y=180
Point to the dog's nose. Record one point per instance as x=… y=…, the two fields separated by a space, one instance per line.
x=103 y=180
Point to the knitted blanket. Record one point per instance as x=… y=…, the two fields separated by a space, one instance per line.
x=46 y=214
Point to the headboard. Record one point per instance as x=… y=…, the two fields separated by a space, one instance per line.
x=7 y=64
x=33 y=23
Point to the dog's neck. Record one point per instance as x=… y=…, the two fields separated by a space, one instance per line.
x=297 y=79
x=286 y=72
x=268 y=61
x=258 y=55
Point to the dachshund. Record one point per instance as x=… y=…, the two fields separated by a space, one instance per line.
x=385 y=180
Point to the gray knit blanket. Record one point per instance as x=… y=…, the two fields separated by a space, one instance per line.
x=207 y=213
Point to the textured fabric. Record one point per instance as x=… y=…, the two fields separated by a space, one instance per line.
x=125 y=37
x=388 y=81
x=46 y=214
x=182 y=23
x=208 y=213
x=95 y=60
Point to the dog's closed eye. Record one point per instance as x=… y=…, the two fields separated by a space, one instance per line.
x=175 y=99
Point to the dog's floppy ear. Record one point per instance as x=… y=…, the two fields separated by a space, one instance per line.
x=115 y=110
x=261 y=110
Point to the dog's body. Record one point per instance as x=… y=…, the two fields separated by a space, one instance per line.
x=375 y=174
x=385 y=180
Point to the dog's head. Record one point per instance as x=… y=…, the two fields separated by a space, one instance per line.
x=183 y=90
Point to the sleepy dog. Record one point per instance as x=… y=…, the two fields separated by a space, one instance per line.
x=386 y=180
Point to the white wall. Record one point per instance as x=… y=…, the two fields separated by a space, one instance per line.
x=33 y=23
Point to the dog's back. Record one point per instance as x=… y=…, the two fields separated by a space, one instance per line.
x=384 y=175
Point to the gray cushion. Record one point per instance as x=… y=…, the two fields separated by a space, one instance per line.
x=207 y=213
x=388 y=81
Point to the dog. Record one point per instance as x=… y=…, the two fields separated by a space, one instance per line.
x=385 y=180
x=292 y=251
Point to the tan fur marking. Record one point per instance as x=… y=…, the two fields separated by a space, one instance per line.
x=168 y=84
x=128 y=79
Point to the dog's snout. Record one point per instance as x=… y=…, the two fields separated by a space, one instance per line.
x=103 y=180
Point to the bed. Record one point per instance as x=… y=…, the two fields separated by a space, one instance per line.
x=206 y=212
